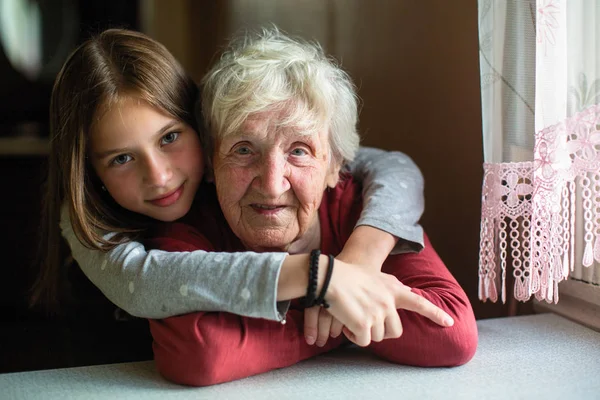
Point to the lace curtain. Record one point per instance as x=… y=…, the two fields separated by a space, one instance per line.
x=540 y=89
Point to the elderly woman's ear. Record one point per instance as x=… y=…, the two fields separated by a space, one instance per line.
x=333 y=177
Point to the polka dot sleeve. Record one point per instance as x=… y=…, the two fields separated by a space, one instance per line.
x=393 y=198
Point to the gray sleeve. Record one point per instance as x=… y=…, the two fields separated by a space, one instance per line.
x=393 y=198
x=160 y=284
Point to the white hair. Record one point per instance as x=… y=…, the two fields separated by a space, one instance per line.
x=268 y=70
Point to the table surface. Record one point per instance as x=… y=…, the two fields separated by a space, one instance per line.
x=528 y=357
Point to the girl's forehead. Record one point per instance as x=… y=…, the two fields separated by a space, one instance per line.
x=127 y=111
x=131 y=119
x=116 y=102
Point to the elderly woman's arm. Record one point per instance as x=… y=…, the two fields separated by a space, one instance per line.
x=423 y=343
x=206 y=348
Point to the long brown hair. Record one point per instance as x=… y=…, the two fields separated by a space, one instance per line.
x=100 y=72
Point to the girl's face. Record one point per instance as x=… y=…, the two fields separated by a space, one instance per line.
x=150 y=162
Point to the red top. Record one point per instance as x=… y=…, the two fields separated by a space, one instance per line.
x=206 y=348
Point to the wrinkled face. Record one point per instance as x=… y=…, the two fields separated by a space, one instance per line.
x=150 y=162
x=270 y=181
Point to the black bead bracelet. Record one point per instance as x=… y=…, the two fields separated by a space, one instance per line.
x=313 y=277
x=311 y=298
x=320 y=301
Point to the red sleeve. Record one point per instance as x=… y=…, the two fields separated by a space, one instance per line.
x=206 y=348
x=423 y=342
x=201 y=349
x=176 y=236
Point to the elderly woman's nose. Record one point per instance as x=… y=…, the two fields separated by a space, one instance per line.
x=273 y=176
x=157 y=170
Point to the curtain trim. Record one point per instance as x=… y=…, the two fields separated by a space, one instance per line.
x=529 y=209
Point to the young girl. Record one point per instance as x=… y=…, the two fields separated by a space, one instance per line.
x=122 y=70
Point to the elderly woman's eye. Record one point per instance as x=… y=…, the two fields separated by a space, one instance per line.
x=299 y=151
x=243 y=150
x=121 y=159
x=169 y=138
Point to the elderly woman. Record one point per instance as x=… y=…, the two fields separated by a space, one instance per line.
x=282 y=121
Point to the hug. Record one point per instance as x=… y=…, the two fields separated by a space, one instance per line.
x=242 y=219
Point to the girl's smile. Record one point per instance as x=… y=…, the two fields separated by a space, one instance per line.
x=169 y=198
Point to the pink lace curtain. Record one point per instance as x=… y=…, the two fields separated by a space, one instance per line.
x=540 y=89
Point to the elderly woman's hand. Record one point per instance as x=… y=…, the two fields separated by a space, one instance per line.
x=319 y=325
x=366 y=303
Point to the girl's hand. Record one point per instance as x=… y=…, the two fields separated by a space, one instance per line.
x=319 y=325
x=366 y=303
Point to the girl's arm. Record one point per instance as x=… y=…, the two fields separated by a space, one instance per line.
x=393 y=203
x=159 y=284
x=393 y=200
x=149 y=283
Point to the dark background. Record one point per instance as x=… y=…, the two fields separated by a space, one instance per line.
x=417 y=69
x=28 y=338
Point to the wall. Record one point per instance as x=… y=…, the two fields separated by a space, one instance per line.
x=416 y=66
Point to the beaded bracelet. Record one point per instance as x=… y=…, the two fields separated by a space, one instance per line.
x=320 y=301
x=313 y=276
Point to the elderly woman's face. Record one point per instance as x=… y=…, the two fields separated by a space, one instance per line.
x=270 y=181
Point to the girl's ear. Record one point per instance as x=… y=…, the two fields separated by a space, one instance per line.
x=209 y=174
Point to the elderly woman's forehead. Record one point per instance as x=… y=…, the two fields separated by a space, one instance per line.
x=278 y=127
x=269 y=115
x=264 y=119
x=259 y=119
x=287 y=117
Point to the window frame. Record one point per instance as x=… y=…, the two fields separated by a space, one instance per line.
x=579 y=301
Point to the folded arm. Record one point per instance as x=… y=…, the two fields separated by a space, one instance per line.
x=201 y=348
x=424 y=343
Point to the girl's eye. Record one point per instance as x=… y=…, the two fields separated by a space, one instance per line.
x=299 y=151
x=169 y=138
x=121 y=159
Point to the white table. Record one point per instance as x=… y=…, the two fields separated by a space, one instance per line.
x=530 y=357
